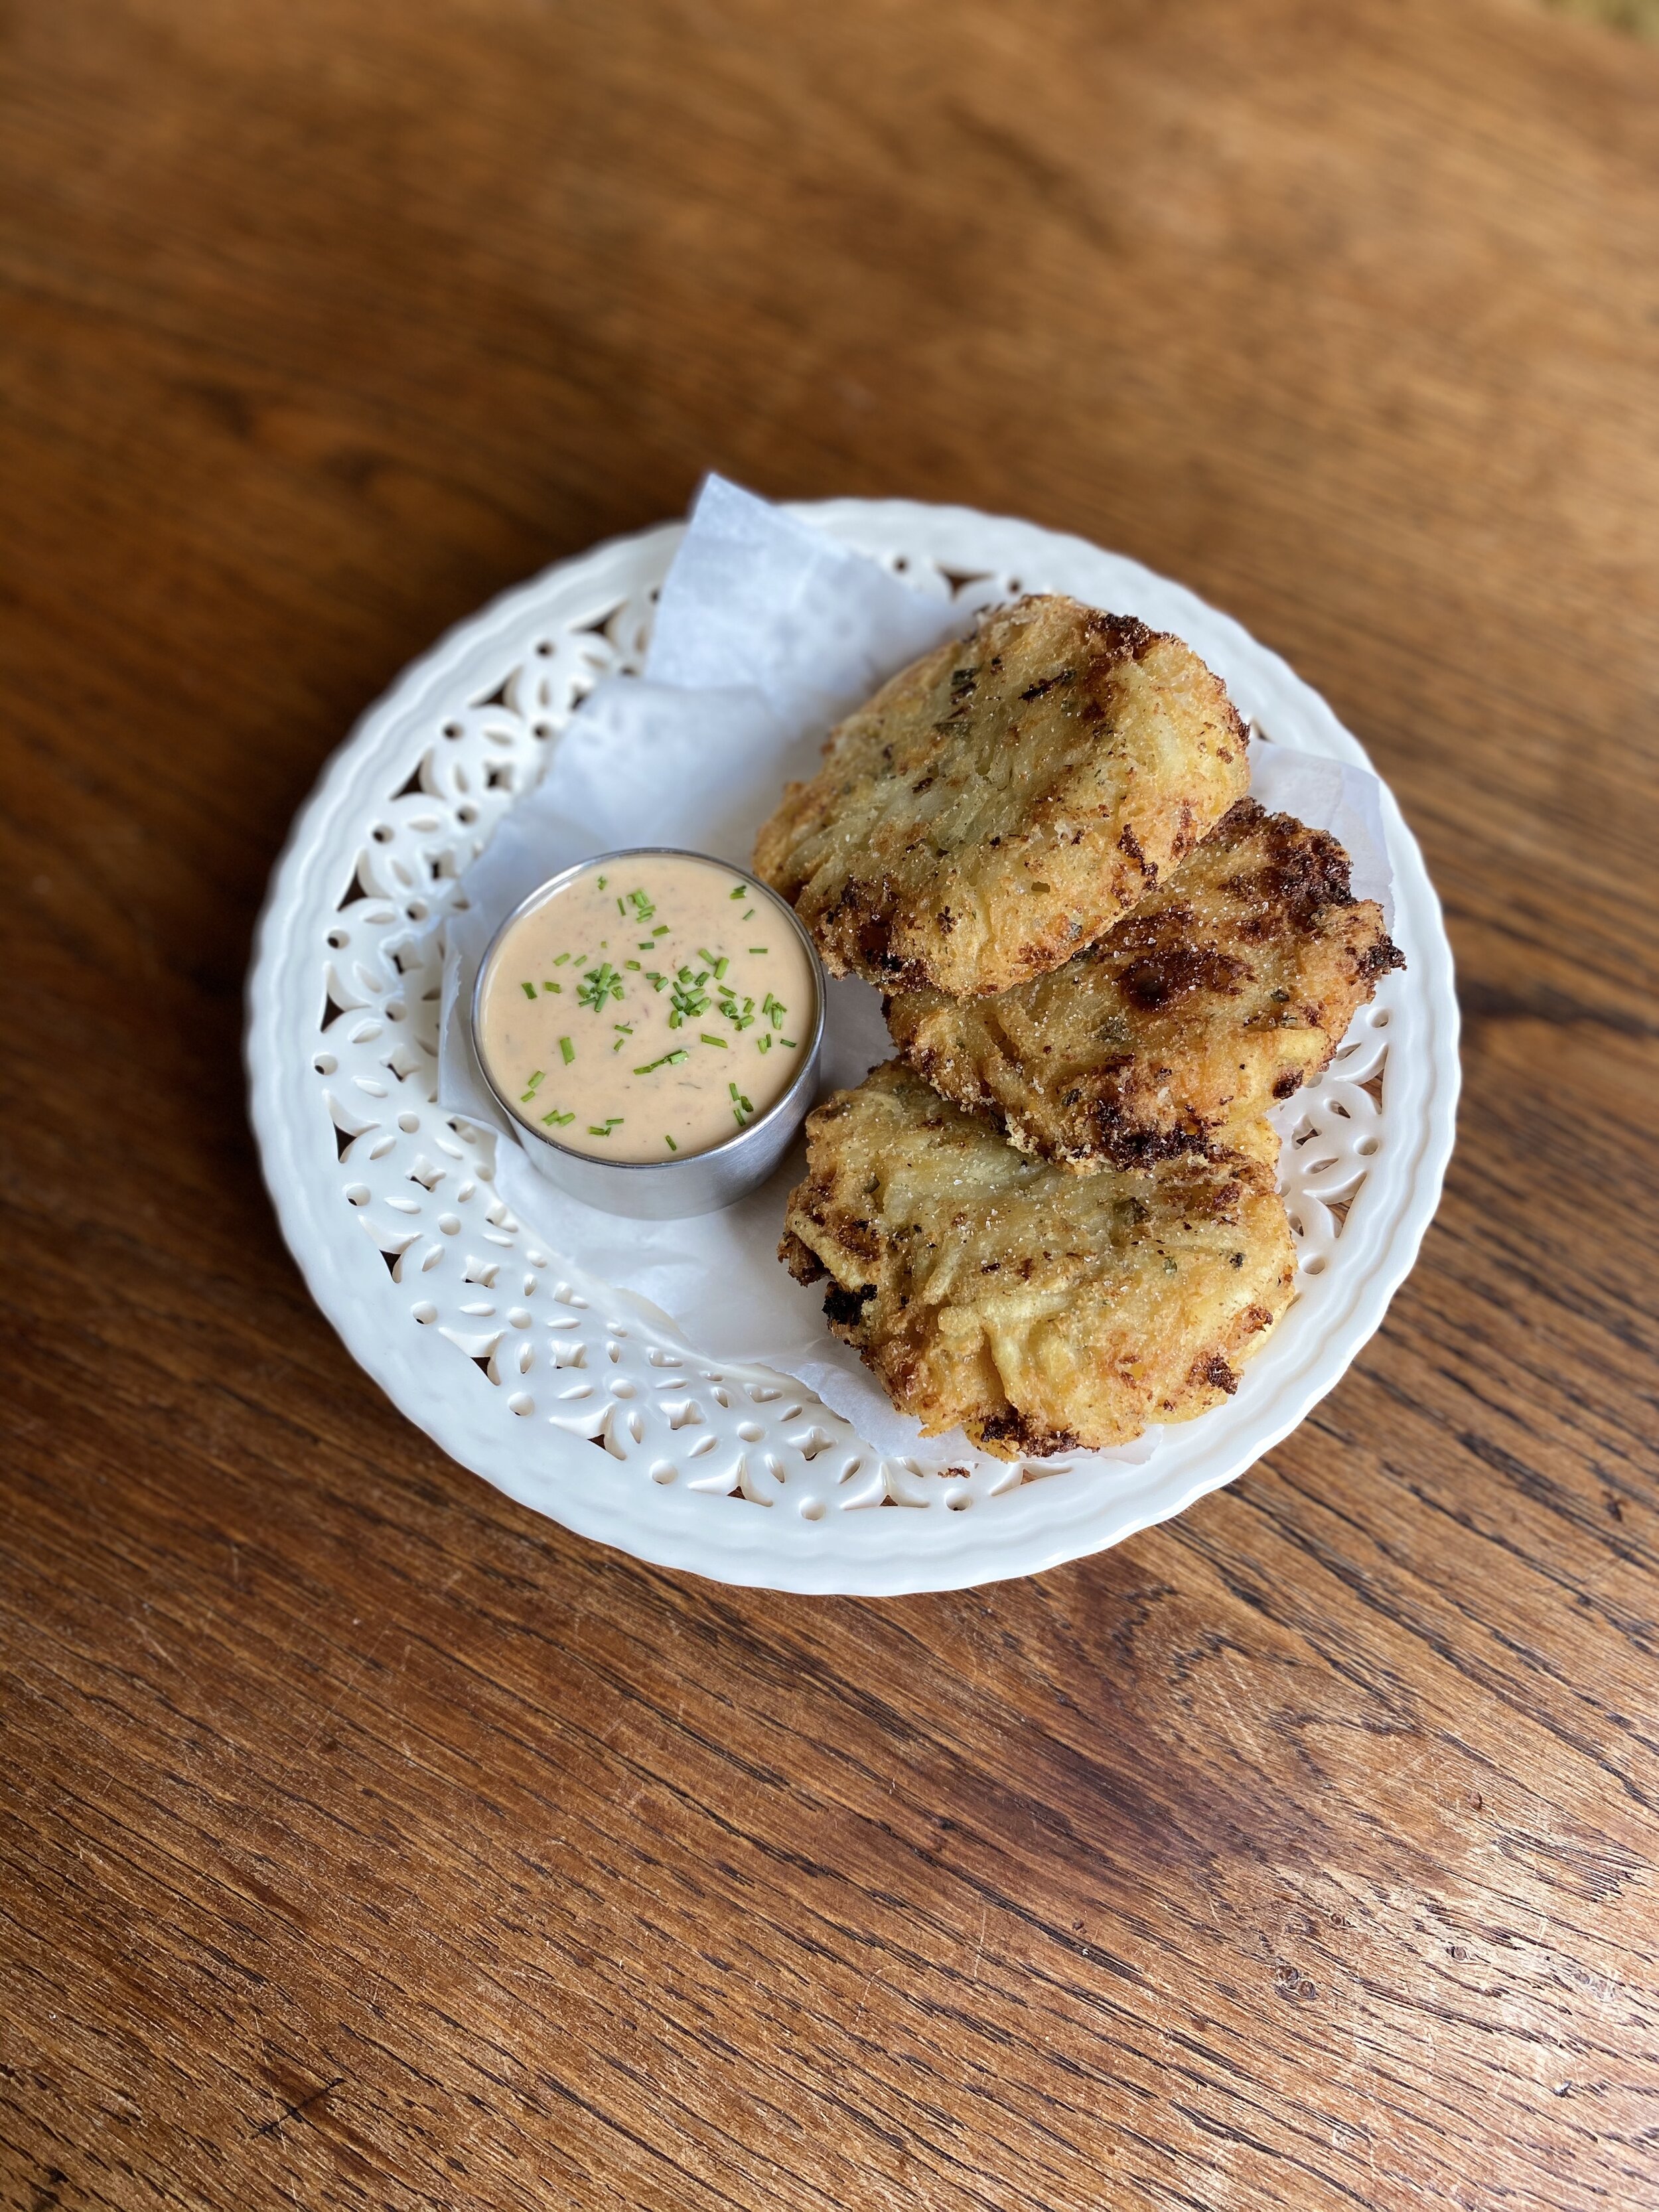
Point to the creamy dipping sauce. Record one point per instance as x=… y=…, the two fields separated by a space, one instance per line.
x=650 y=1007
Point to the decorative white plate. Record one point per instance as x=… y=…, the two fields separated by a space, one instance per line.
x=564 y=1391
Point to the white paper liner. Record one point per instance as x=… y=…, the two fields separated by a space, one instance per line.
x=766 y=631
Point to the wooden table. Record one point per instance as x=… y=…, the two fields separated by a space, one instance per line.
x=368 y=1841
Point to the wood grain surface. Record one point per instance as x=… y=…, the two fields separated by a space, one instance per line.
x=366 y=1841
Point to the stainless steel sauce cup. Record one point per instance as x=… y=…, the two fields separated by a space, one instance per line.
x=692 y=1183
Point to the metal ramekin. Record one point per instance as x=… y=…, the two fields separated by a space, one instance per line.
x=698 y=1182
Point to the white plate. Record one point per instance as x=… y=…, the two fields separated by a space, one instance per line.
x=518 y=1363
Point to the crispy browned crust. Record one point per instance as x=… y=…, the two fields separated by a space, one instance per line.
x=1001 y=802
x=1038 y=1310
x=1224 y=990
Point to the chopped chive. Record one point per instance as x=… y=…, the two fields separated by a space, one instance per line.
x=721 y=965
x=757 y=948
x=672 y=1145
x=662 y=930
x=562 y=957
x=707 y=1039
x=664 y=1060
x=648 y=944
x=622 y=909
x=551 y=987
x=750 y=916
x=525 y=1096
x=788 y=1044
x=763 y=1042
x=598 y=985
x=634 y=964
x=742 y=891
x=600 y=880
x=703 y=953
x=555 y=1120
x=529 y=990
x=566 y=1050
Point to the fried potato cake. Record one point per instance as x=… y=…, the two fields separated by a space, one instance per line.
x=1002 y=801
x=1225 y=989
x=1040 y=1311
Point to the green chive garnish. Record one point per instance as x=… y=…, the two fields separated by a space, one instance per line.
x=600 y=880
x=552 y=986
x=788 y=1044
x=525 y=1096
x=672 y=1145
x=662 y=930
x=599 y=984
x=760 y=949
x=555 y=1120
x=566 y=1050
x=562 y=957
x=634 y=964
x=742 y=891
x=707 y=1039
x=529 y=990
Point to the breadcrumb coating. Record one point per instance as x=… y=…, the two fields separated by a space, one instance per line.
x=1003 y=801
x=1038 y=1310
x=1225 y=990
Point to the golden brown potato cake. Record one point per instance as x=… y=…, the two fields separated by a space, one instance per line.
x=1002 y=801
x=1038 y=1310
x=1227 y=989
